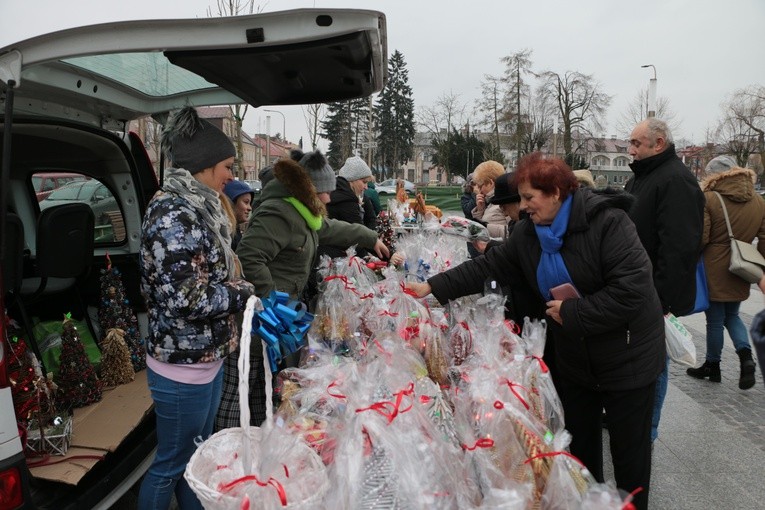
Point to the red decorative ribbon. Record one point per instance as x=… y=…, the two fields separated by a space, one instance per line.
x=513 y=327
x=629 y=505
x=483 y=442
x=542 y=363
x=347 y=285
x=336 y=395
x=273 y=482
x=391 y=409
x=512 y=386
x=553 y=454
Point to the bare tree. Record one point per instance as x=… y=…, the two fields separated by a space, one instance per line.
x=580 y=103
x=491 y=105
x=226 y=8
x=637 y=111
x=538 y=127
x=745 y=111
x=441 y=120
x=314 y=116
x=444 y=115
x=738 y=138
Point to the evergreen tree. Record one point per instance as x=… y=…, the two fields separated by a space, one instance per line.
x=345 y=127
x=462 y=154
x=395 y=115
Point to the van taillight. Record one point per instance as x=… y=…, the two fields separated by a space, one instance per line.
x=4 y=382
x=11 y=495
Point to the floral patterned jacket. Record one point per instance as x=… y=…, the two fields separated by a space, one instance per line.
x=184 y=280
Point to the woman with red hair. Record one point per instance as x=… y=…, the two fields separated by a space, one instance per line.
x=579 y=254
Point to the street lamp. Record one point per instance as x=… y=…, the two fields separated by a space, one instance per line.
x=284 y=123
x=651 y=92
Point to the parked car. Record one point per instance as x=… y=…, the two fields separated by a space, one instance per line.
x=72 y=95
x=255 y=185
x=45 y=182
x=389 y=187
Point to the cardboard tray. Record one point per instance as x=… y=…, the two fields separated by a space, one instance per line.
x=98 y=429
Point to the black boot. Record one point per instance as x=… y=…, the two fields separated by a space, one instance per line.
x=709 y=369
x=747 y=369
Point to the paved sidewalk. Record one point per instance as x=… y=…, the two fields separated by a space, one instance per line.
x=710 y=453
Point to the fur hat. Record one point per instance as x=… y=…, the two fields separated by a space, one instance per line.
x=321 y=173
x=298 y=183
x=194 y=144
x=720 y=164
x=584 y=177
x=354 y=169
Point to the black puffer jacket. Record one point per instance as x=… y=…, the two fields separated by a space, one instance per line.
x=612 y=338
x=345 y=206
x=669 y=217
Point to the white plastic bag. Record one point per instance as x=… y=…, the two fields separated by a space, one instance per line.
x=680 y=347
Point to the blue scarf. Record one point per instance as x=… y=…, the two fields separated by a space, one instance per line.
x=551 y=270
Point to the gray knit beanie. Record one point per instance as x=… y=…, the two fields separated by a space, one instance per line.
x=318 y=169
x=354 y=169
x=193 y=143
x=720 y=164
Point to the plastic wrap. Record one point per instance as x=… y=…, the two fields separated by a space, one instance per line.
x=465 y=228
x=544 y=400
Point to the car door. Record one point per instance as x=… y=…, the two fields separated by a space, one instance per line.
x=111 y=73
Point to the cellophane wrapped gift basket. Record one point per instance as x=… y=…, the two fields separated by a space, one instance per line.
x=400 y=403
x=250 y=467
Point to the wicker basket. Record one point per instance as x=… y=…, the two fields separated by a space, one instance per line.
x=223 y=471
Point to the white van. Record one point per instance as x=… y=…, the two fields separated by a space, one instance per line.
x=66 y=99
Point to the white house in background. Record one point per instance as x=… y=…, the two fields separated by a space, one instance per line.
x=609 y=157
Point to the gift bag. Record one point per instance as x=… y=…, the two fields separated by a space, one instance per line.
x=256 y=467
x=680 y=347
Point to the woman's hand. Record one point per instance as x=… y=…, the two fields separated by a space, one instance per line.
x=553 y=310
x=480 y=201
x=398 y=258
x=381 y=250
x=761 y=283
x=420 y=289
x=480 y=246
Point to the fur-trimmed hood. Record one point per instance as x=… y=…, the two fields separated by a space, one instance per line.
x=736 y=184
x=298 y=184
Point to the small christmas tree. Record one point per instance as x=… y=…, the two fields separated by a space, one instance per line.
x=78 y=383
x=32 y=392
x=115 y=312
x=21 y=374
x=385 y=230
x=116 y=367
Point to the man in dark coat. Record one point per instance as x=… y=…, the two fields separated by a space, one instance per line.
x=669 y=217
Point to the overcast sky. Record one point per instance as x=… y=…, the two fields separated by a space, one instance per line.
x=703 y=50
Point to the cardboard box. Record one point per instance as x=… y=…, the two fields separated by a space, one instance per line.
x=98 y=429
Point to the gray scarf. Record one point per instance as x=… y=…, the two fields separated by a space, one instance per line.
x=206 y=202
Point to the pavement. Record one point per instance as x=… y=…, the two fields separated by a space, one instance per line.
x=710 y=453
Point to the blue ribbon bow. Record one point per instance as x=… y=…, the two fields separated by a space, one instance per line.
x=282 y=325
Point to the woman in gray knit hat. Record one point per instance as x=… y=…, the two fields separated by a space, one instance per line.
x=191 y=281
x=278 y=251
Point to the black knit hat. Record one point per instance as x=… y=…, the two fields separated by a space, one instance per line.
x=193 y=143
x=505 y=190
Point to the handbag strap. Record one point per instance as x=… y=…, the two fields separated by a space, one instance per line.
x=725 y=212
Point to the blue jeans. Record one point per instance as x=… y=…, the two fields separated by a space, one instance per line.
x=721 y=315
x=184 y=412
x=658 y=402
